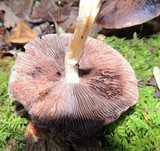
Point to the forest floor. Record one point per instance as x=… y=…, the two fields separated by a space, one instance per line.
x=137 y=129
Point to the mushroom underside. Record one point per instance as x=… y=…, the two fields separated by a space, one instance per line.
x=107 y=85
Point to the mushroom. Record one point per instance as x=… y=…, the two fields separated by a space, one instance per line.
x=73 y=85
x=122 y=13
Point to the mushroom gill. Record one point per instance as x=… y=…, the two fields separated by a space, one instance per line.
x=107 y=85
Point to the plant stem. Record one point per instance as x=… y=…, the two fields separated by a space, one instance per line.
x=88 y=11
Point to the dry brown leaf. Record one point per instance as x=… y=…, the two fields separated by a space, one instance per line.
x=157 y=94
x=22 y=34
x=152 y=82
x=10 y=19
x=41 y=12
x=70 y=24
x=21 y=8
x=101 y=37
x=49 y=10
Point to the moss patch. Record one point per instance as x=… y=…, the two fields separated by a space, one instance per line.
x=143 y=54
x=138 y=128
x=11 y=127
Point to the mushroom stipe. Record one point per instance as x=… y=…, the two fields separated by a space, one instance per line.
x=107 y=85
x=44 y=140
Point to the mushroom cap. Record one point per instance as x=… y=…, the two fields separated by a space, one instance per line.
x=122 y=13
x=107 y=85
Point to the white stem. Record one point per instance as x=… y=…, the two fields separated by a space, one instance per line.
x=88 y=11
x=156 y=73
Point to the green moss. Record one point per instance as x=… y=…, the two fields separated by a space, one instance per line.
x=138 y=128
x=11 y=127
x=143 y=54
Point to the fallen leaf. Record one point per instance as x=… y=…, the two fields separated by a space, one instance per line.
x=11 y=144
x=70 y=24
x=10 y=19
x=152 y=82
x=22 y=34
x=101 y=37
x=141 y=84
x=21 y=8
x=41 y=13
x=64 y=13
x=157 y=94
